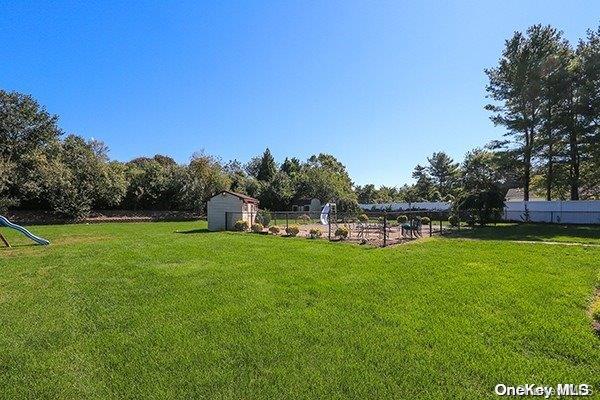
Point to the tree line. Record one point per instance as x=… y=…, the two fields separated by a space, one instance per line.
x=43 y=169
x=443 y=179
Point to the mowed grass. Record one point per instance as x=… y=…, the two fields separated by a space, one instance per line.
x=585 y=234
x=140 y=311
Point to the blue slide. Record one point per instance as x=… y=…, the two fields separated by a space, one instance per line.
x=5 y=222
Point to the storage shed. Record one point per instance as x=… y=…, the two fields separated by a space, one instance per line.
x=308 y=205
x=227 y=207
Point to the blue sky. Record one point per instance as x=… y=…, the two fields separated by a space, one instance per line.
x=381 y=85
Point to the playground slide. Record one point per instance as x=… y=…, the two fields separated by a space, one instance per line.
x=325 y=214
x=5 y=222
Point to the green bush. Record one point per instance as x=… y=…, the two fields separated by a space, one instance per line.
x=453 y=219
x=484 y=206
x=257 y=227
x=274 y=230
x=402 y=219
x=315 y=233
x=342 y=232
x=292 y=230
x=425 y=220
x=240 y=225
x=363 y=217
x=263 y=217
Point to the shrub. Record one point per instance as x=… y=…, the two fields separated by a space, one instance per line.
x=342 y=232
x=402 y=219
x=315 y=233
x=363 y=217
x=453 y=219
x=240 y=225
x=304 y=218
x=292 y=230
x=274 y=230
x=263 y=217
x=425 y=220
x=485 y=206
x=257 y=227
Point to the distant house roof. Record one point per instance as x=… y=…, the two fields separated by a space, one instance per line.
x=245 y=198
x=517 y=194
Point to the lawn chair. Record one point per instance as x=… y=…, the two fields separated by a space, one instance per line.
x=412 y=227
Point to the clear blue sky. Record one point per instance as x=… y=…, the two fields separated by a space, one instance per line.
x=381 y=85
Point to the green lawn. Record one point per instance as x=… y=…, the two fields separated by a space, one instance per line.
x=587 y=234
x=140 y=311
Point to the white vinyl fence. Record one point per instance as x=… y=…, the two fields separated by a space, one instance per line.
x=556 y=211
x=422 y=205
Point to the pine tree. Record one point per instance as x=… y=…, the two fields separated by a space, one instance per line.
x=444 y=173
x=516 y=87
x=267 y=167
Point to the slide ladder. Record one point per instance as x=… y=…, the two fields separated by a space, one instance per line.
x=5 y=222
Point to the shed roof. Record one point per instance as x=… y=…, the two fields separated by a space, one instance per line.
x=245 y=198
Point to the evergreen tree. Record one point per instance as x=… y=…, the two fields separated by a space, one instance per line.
x=588 y=55
x=267 y=167
x=291 y=166
x=478 y=171
x=444 y=173
x=515 y=85
x=423 y=187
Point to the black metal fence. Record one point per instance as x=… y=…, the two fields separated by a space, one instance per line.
x=380 y=228
x=383 y=228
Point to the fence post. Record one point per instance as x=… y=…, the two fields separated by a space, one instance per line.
x=286 y=220
x=431 y=225
x=384 y=229
x=226 y=220
x=329 y=224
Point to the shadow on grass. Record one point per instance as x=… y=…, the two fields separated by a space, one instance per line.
x=20 y=245
x=194 y=231
x=533 y=232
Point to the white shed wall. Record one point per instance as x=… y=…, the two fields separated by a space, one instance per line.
x=218 y=206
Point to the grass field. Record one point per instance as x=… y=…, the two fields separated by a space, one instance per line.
x=584 y=234
x=141 y=311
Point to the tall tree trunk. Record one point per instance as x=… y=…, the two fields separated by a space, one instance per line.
x=550 y=176
x=574 y=167
x=527 y=166
x=574 y=158
x=550 y=172
x=573 y=148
